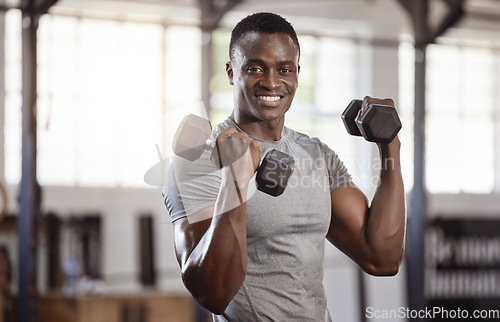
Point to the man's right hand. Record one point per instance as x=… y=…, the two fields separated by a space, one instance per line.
x=239 y=151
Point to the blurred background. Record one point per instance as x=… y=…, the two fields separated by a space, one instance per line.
x=89 y=87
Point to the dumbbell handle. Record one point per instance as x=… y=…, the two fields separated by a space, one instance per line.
x=378 y=123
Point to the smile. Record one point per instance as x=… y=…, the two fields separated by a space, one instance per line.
x=269 y=98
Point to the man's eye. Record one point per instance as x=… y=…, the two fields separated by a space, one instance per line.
x=253 y=69
x=286 y=70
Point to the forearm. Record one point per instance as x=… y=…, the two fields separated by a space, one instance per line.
x=216 y=268
x=385 y=227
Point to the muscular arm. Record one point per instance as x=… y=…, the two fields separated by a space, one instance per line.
x=212 y=253
x=372 y=236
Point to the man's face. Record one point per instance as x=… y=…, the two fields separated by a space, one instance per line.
x=264 y=72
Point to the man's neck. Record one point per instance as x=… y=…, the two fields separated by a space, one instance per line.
x=259 y=129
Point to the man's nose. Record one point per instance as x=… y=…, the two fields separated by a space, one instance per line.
x=270 y=80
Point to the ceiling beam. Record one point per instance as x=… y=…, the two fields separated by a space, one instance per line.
x=212 y=12
x=41 y=7
x=38 y=7
x=454 y=14
x=419 y=15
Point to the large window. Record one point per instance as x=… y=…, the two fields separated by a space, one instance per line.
x=12 y=112
x=104 y=89
x=462 y=127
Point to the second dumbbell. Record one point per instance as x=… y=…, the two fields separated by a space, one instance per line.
x=378 y=123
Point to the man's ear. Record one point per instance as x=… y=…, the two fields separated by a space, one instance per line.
x=229 y=72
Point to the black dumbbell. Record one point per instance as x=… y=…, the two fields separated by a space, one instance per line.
x=378 y=123
x=274 y=172
x=193 y=137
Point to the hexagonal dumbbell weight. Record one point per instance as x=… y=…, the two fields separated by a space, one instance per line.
x=193 y=137
x=378 y=123
x=274 y=172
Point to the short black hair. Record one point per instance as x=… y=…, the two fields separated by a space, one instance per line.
x=263 y=22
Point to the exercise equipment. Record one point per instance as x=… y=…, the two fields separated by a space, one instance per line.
x=274 y=172
x=193 y=137
x=378 y=123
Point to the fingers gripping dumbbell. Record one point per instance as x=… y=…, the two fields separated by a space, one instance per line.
x=378 y=123
x=193 y=137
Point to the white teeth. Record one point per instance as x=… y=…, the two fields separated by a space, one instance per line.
x=270 y=98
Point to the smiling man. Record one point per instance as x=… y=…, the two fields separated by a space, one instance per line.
x=262 y=259
x=263 y=70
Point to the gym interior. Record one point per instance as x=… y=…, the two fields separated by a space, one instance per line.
x=92 y=92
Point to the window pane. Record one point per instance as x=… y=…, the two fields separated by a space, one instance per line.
x=478 y=153
x=406 y=98
x=336 y=77
x=460 y=137
x=100 y=100
x=12 y=126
